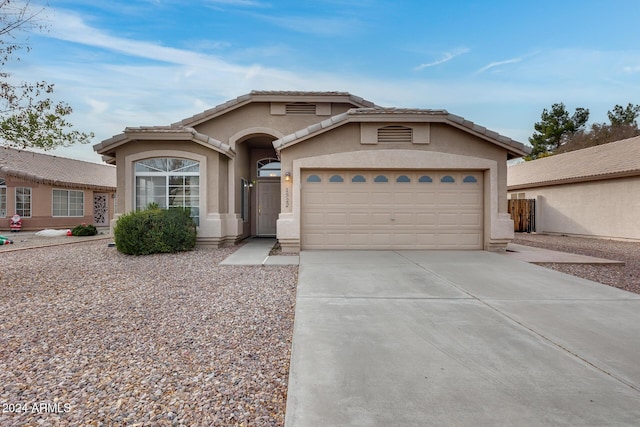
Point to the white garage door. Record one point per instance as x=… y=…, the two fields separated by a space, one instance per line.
x=391 y=209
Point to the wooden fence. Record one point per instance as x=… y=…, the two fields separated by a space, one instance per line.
x=523 y=213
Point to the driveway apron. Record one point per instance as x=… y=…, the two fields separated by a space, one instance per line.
x=458 y=338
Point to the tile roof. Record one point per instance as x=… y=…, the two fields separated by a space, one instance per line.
x=54 y=170
x=160 y=132
x=274 y=96
x=516 y=148
x=616 y=159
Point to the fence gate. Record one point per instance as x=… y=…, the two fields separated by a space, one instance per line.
x=523 y=213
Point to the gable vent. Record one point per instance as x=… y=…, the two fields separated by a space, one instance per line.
x=300 y=108
x=395 y=135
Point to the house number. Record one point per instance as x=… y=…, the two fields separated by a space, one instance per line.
x=286 y=197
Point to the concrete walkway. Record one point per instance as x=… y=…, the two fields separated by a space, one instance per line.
x=458 y=339
x=256 y=252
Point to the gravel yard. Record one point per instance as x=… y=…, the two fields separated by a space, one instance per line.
x=91 y=337
x=625 y=276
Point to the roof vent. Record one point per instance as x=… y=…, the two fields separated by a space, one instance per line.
x=300 y=108
x=395 y=135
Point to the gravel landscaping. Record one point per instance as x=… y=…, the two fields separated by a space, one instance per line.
x=92 y=337
x=625 y=276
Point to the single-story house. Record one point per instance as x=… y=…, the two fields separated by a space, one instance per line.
x=322 y=170
x=54 y=192
x=588 y=192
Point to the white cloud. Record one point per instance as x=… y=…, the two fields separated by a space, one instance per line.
x=142 y=83
x=446 y=57
x=497 y=64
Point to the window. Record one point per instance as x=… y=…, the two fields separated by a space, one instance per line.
x=244 y=199
x=358 y=178
x=469 y=178
x=425 y=178
x=268 y=167
x=169 y=182
x=313 y=178
x=336 y=178
x=3 y=198
x=403 y=178
x=447 y=179
x=68 y=203
x=23 y=201
x=381 y=178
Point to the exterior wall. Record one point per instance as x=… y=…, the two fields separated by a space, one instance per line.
x=448 y=148
x=259 y=115
x=216 y=227
x=606 y=208
x=42 y=206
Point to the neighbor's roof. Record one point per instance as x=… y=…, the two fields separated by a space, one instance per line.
x=57 y=171
x=378 y=114
x=274 y=96
x=613 y=160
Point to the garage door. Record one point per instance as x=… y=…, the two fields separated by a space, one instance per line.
x=391 y=209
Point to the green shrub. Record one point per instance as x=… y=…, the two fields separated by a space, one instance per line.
x=84 y=230
x=155 y=230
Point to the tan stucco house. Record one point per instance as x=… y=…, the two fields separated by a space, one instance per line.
x=323 y=170
x=589 y=192
x=54 y=192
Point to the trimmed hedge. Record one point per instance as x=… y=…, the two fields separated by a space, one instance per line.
x=84 y=230
x=155 y=230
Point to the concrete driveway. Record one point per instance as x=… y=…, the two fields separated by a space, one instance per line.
x=418 y=338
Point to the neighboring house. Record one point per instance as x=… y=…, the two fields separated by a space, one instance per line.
x=323 y=170
x=590 y=192
x=54 y=192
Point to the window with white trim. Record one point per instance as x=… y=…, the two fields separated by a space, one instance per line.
x=68 y=203
x=23 y=201
x=3 y=198
x=169 y=182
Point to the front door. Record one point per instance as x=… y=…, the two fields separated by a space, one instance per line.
x=268 y=207
x=100 y=209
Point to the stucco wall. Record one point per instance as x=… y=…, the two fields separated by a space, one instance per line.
x=259 y=115
x=449 y=148
x=42 y=206
x=606 y=208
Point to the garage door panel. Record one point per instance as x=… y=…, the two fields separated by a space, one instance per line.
x=409 y=211
x=359 y=198
x=473 y=219
x=339 y=219
x=449 y=197
x=426 y=219
x=404 y=198
x=448 y=219
x=404 y=219
x=313 y=219
x=380 y=218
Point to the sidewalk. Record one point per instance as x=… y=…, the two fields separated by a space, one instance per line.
x=256 y=252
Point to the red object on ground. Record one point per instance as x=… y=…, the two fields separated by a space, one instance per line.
x=15 y=223
x=69 y=233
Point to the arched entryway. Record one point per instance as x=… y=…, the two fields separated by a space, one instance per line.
x=257 y=185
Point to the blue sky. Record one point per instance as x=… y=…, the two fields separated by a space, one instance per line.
x=497 y=63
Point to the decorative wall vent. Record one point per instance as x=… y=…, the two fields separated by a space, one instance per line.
x=300 y=108
x=395 y=135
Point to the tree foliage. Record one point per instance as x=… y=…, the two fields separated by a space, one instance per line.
x=623 y=125
x=558 y=132
x=555 y=127
x=28 y=116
